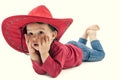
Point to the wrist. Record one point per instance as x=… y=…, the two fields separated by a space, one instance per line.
x=44 y=56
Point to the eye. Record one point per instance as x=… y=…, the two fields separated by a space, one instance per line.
x=30 y=33
x=41 y=32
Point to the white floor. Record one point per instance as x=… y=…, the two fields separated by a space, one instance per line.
x=17 y=66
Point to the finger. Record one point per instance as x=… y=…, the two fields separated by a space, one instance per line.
x=47 y=40
x=39 y=41
x=26 y=38
x=43 y=40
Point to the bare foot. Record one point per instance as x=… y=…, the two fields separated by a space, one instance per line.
x=92 y=27
x=92 y=34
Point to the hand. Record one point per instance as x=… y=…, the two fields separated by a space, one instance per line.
x=31 y=50
x=44 y=45
x=29 y=44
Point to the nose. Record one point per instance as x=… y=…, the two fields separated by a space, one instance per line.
x=34 y=37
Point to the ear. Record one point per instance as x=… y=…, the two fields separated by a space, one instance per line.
x=54 y=34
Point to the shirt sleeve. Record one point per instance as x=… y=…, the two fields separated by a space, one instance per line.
x=52 y=65
x=37 y=67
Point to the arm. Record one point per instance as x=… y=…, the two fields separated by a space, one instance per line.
x=52 y=65
x=44 y=47
x=33 y=55
x=38 y=67
x=35 y=58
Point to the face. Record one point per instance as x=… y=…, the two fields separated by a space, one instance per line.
x=36 y=32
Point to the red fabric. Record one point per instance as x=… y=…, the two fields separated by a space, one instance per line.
x=61 y=56
x=12 y=27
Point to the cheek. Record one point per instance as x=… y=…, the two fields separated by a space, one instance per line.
x=33 y=38
x=30 y=38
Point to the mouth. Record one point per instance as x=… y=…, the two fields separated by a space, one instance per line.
x=36 y=45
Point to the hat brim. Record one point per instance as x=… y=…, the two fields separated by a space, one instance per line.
x=11 y=29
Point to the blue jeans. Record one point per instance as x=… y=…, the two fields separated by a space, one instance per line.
x=90 y=55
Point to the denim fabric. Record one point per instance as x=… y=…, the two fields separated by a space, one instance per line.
x=90 y=55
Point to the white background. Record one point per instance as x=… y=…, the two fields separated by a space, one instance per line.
x=105 y=13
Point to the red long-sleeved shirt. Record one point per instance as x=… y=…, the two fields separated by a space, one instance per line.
x=61 y=56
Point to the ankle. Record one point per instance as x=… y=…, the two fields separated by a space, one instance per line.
x=85 y=36
x=92 y=35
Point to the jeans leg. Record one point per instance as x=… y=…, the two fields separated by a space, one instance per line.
x=82 y=40
x=85 y=49
x=96 y=53
x=90 y=55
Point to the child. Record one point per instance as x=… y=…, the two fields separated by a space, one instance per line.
x=38 y=35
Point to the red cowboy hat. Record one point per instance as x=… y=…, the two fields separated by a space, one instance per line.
x=12 y=27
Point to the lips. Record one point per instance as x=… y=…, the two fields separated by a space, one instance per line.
x=36 y=45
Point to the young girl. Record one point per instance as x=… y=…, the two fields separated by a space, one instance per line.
x=38 y=34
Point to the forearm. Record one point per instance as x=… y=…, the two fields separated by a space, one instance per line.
x=52 y=67
x=37 y=67
x=49 y=65
x=44 y=56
